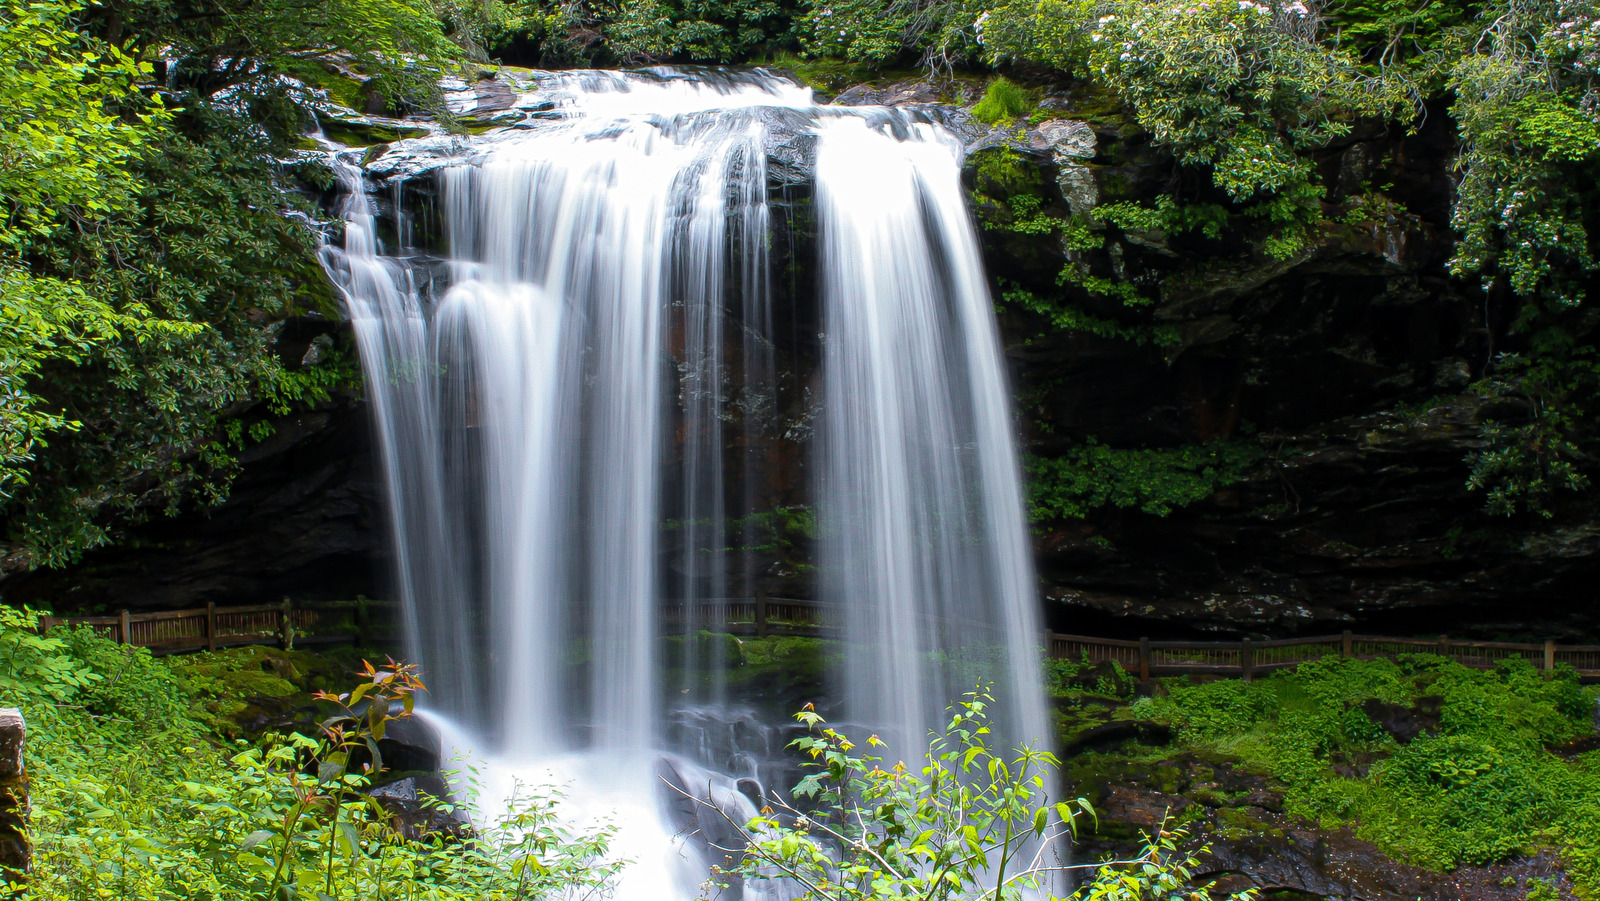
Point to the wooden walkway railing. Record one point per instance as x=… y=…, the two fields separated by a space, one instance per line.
x=1247 y=659
x=212 y=627
x=758 y=616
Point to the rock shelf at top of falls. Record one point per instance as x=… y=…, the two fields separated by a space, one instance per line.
x=512 y=100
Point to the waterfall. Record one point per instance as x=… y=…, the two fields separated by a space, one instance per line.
x=928 y=549
x=576 y=399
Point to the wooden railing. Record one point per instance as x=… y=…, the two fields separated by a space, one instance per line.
x=1247 y=659
x=759 y=616
x=212 y=627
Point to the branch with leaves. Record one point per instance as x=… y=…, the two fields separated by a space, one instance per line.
x=969 y=824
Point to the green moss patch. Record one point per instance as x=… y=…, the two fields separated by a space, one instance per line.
x=1438 y=765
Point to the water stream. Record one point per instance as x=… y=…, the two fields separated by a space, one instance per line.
x=574 y=399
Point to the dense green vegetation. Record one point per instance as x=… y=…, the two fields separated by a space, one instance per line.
x=146 y=259
x=136 y=795
x=1154 y=480
x=1439 y=765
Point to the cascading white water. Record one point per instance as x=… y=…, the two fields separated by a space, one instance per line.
x=386 y=304
x=561 y=386
x=922 y=501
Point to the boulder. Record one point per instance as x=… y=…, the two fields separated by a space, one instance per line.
x=421 y=805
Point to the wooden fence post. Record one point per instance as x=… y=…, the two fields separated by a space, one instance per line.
x=1144 y=659
x=16 y=851
x=211 y=625
x=1246 y=659
x=285 y=626
x=124 y=635
x=761 y=616
x=1549 y=658
x=361 y=619
x=1444 y=646
x=1347 y=644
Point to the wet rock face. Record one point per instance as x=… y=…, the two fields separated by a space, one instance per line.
x=1348 y=364
x=1255 y=845
x=304 y=520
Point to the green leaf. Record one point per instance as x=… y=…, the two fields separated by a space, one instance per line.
x=256 y=838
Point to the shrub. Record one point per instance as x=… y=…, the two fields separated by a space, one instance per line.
x=1003 y=101
x=970 y=822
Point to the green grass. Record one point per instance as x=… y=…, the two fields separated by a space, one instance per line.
x=1003 y=101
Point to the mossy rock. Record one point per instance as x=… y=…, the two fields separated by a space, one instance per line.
x=249 y=690
x=830 y=76
x=1241 y=823
x=367 y=134
x=347 y=90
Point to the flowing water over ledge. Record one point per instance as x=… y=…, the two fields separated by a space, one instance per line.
x=593 y=357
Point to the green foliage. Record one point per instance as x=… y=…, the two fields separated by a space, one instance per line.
x=64 y=149
x=1241 y=89
x=1476 y=787
x=399 y=46
x=1028 y=219
x=1072 y=678
x=1165 y=215
x=1010 y=195
x=942 y=33
x=1163 y=869
x=1403 y=33
x=654 y=31
x=1155 y=480
x=1069 y=318
x=1524 y=88
x=967 y=824
x=36 y=666
x=133 y=799
x=1002 y=173
x=137 y=687
x=853 y=29
x=826 y=74
x=780 y=531
x=1528 y=128
x=1528 y=459
x=202 y=242
x=145 y=262
x=1003 y=100
x=234 y=689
